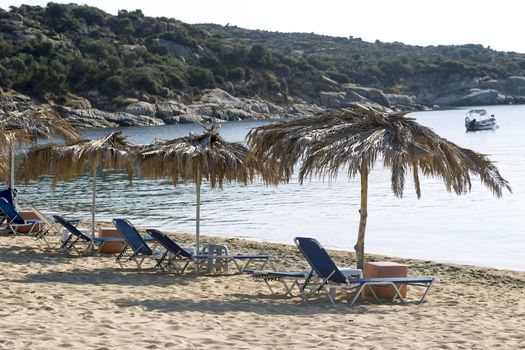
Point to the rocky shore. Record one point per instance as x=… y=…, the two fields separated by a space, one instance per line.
x=216 y=105
x=213 y=106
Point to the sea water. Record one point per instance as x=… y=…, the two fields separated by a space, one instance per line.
x=476 y=228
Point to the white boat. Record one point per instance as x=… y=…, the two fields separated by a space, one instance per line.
x=479 y=119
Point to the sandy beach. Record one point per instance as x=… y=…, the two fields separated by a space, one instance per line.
x=51 y=300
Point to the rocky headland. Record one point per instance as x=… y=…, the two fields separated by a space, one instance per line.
x=98 y=70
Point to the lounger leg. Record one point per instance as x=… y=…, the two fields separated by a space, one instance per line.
x=32 y=228
x=66 y=242
x=72 y=245
x=371 y=290
x=398 y=293
x=239 y=267
x=289 y=289
x=321 y=286
x=426 y=292
x=185 y=266
x=247 y=264
x=161 y=260
x=119 y=257
x=90 y=247
x=139 y=263
x=42 y=235
x=330 y=293
x=268 y=285
x=358 y=293
x=306 y=282
x=13 y=230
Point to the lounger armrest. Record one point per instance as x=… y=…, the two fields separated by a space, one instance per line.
x=28 y=222
x=348 y=271
x=109 y=239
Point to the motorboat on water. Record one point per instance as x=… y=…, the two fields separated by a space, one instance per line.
x=479 y=119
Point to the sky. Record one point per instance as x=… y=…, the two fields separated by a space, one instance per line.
x=498 y=24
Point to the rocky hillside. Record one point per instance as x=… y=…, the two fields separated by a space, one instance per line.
x=434 y=75
x=101 y=70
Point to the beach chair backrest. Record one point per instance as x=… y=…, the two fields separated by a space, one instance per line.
x=41 y=216
x=10 y=212
x=319 y=259
x=11 y=196
x=132 y=236
x=168 y=243
x=71 y=228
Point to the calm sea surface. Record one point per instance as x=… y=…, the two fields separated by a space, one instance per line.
x=475 y=228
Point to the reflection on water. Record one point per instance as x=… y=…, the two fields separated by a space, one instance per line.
x=473 y=229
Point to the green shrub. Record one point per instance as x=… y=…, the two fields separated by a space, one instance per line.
x=113 y=86
x=200 y=77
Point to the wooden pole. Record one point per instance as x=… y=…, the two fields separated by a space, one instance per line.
x=93 y=206
x=198 y=213
x=363 y=214
x=12 y=178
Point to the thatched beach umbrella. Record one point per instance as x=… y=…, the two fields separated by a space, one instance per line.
x=66 y=161
x=355 y=140
x=193 y=158
x=28 y=126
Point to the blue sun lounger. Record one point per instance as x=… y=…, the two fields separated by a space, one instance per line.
x=77 y=237
x=288 y=279
x=15 y=221
x=134 y=241
x=180 y=256
x=175 y=258
x=332 y=278
x=10 y=196
x=302 y=280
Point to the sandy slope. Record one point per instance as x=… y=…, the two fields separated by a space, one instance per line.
x=51 y=301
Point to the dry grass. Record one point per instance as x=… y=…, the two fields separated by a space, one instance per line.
x=66 y=161
x=194 y=157
x=359 y=137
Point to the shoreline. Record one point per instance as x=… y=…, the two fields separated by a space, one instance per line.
x=188 y=239
x=107 y=307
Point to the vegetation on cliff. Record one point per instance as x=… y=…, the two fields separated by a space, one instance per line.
x=53 y=51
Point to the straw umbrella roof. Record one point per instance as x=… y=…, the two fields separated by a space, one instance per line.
x=29 y=125
x=69 y=160
x=4 y=165
x=352 y=138
x=194 y=157
x=355 y=140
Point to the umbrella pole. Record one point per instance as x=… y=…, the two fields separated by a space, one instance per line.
x=93 y=205
x=198 y=215
x=12 y=179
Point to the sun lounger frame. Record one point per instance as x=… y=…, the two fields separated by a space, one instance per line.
x=335 y=279
x=14 y=220
x=305 y=281
x=184 y=258
x=134 y=242
x=76 y=237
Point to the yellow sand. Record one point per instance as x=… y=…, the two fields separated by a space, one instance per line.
x=50 y=301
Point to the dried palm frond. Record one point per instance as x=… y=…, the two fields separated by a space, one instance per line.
x=194 y=157
x=30 y=125
x=66 y=161
x=361 y=136
x=27 y=127
x=4 y=164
